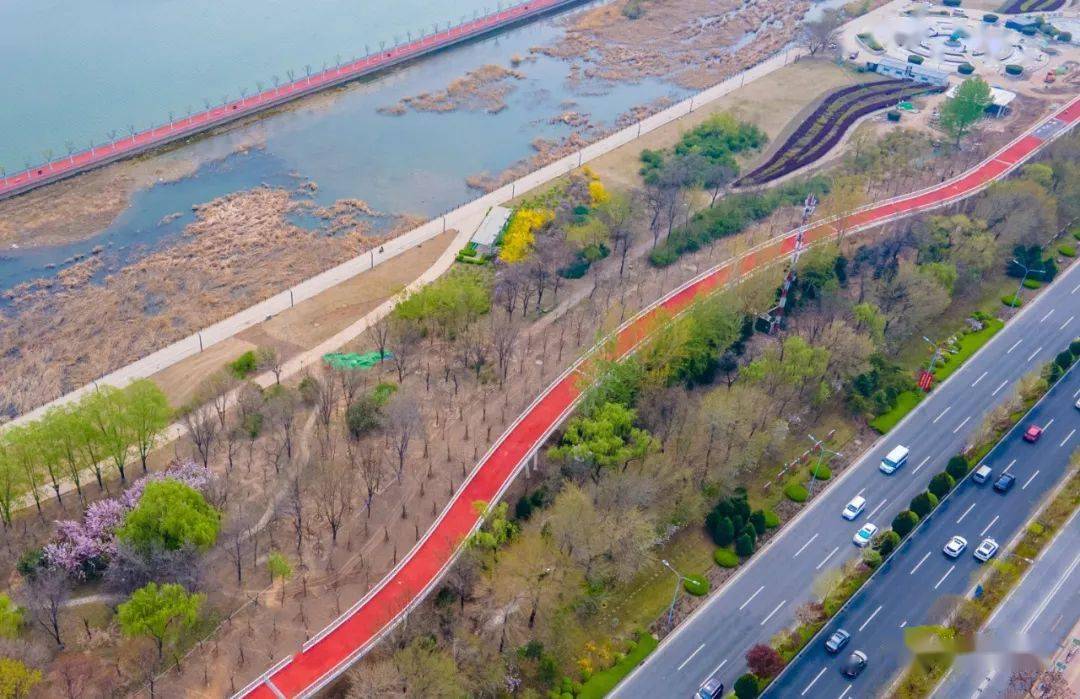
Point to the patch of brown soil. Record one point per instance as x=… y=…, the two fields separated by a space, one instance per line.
x=483 y=89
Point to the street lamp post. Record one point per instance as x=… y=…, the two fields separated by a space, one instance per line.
x=679 y=578
x=1027 y=271
x=819 y=447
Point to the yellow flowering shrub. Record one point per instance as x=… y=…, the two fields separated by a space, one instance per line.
x=598 y=193
x=520 y=235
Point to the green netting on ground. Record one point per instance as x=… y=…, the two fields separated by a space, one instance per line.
x=352 y=360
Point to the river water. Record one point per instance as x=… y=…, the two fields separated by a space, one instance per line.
x=416 y=163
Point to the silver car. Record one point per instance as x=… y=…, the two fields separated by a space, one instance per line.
x=955 y=547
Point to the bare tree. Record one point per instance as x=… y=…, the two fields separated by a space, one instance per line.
x=367 y=460
x=333 y=483
x=818 y=34
x=504 y=335
x=215 y=390
x=350 y=382
x=202 y=426
x=270 y=359
x=1039 y=684
x=406 y=338
x=237 y=532
x=44 y=595
x=380 y=334
x=403 y=423
x=326 y=399
x=281 y=408
x=473 y=348
x=294 y=509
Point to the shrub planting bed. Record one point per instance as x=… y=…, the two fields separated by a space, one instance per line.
x=823 y=129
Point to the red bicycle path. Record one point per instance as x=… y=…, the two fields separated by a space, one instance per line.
x=195 y=123
x=324 y=657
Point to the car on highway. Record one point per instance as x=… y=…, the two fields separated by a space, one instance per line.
x=1033 y=433
x=712 y=688
x=854 y=665
x=836 y=642
x=982 y=474
x=955 y=546
x=1004 y=483
x=894 y=459
x=864 y=535
x=986 y=550
x=854 y=508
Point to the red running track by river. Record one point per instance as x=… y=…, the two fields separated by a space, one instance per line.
x=142 y=141
x=330 y=653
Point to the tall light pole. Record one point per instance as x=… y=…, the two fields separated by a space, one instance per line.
x=819 y=447
x=1027 y=271
x=679 y=578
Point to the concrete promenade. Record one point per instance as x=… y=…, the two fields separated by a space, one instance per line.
x=177 y=129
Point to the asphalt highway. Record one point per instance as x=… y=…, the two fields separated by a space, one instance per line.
x=911 y=585
x=761 y=599
x=1033 y=622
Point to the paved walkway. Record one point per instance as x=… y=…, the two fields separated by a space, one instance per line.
x=339 y=645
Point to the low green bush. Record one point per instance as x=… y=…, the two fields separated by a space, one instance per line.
x=244 y=365
x=1067 y=250
x=965 y=69
x=747 y=687
x=904 y=522
x=772 y=521
x=601 y=683
x=696 y=585
x=820 y=472
x=1030 y=283
x=893 y=115
x=871 y=557
x=990 y=18
x=916 y=59
x=958 y=467
x=1076 y=233
x=796 y=492
x=941 y=484
x=887 y=542
x=726 y=558
x=1012 y=301
x=1014 y=69
x=1064 y=37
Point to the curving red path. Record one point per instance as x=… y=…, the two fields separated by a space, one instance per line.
x=141 y=141
x=327 y=655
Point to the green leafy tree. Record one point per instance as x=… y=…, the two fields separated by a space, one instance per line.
x=16 y=679
x=278 y=567
x=904 y=522
x=11 y=617
x=170 y=515
x=941 y=484
x=887 y=542
x=960 y=113
x=146 y=413
x=721 y=529
x=744 y=545
x=957 y=467
x=162 y=613
x=104 y=409
x=790 y=372
x=603 y=440
x=747 y=687
x=923 y=503
x=496 y=530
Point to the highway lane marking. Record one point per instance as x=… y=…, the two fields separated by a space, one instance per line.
x=903 y=623
x=1053 y=591
x=1068 y=437
x=1003 y=385
x=1074 y=289
x=826 y=559
x=987 y=528
x=947 y=574
x=1077 y=393
x=751 y=598
x=1029 y=480
x=1015 y=346
x=718 y=667
x=691 y=656
x=766 y=619
x=969 y=509
x=942 y=414
x=880 y=505
x=921 y=561
x=1066 y=322
x=860 y=491
x=1032 y=355
x=846 y=690
x=1047 y=425
x=870 y=618
x=921 y=464
x=958 y=427
x=1008 y=467
x=1043 y=319
x=816 y=678
x=980 y=379
x=803 y=548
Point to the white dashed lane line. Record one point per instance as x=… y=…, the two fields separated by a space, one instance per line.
x=803 y=547
x=1028 y=482
x=961 y=519
x=1043 y=319
x=870 y=618
x=947 y=574
x=961 y=425
x=1066 y=322
x=983 y=376
x=844 y=693
x=816 y=678
x=921 y=561
x=691 y=656
x=942 y=414
x=921 y=464
x=987 y=528
x=774 y=611
x=998 y=389
x=1032 y=355
x=1068 y=437
x=1015 y=345
x=826 y=559
x=880 y=505
x=1006 y=469
x=751 y=598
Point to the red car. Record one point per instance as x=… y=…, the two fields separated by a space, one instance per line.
x=1033 y=433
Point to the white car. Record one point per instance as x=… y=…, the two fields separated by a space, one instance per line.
x=864 y=535
x=855 y=507
x=955 y=547
x=986 y=550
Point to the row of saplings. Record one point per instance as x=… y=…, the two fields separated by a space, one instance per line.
x=749 y=685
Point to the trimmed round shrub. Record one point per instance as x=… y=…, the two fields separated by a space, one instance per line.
x=1065 y=37
x=1014 y=69
x=871 y=557
x=887 y=542
x=1012 y=301
x=1074 y=347
x=820 y=471
x=1030 y=283
x=923 y=503
x=796 y=492
x=958 y=467
x=941 y=484
x=696 y=585
x=726 y=558
x=772 y=521
x=1076 y=233
x=916 y=59
x=1067 y=250
x=746 y=687
x=744 y=546
x=965 y=69
x=904 y=522
x=893 y=115
x=990 y=18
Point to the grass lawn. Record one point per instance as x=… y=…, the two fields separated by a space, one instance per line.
x=604 y=681
x=968 y=345
x=905 y=403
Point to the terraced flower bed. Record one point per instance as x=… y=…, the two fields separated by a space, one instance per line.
x=1017 y=7
x=823 y=129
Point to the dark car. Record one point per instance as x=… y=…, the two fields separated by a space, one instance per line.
x=1004 y=482
x=712 y=689
x=854 y=665
x=836 y=642
x=1033 y=433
